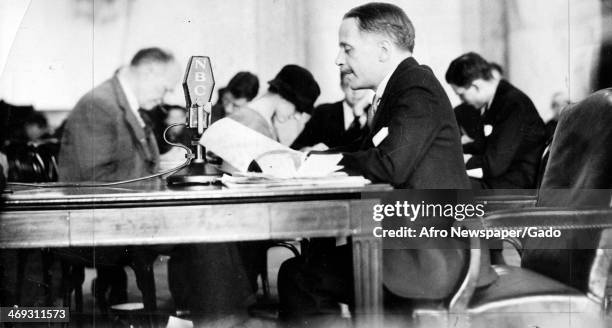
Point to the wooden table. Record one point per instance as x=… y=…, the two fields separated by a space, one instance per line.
x=151 y=214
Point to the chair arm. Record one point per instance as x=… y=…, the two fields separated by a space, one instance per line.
x=514 y=242
x=556 y=218
x=496 y=202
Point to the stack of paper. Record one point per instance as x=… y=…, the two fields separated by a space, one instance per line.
x=239 y=146
x=260 y=180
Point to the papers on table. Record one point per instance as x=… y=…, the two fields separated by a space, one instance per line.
x=239 y=146
x=259 y=180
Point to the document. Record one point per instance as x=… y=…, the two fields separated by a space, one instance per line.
x=259 y=180
x=240 y=146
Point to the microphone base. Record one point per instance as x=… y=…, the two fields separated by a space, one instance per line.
x=198 y=174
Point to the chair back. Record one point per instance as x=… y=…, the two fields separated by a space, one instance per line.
x=579 y=175
x=33 y=162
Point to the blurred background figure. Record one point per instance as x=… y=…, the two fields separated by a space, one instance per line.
x=32 y=153
x=282 y=112
x=109 y=136
x=558 y=102
x=36 y=128
x=241 y=89
x=340 y=124
x=514 y=134
x=3 y=167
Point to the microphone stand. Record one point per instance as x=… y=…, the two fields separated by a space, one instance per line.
x=197 y=85
x=199 y=171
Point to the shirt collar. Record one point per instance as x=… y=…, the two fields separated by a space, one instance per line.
x=131 y=98
x=383 y=84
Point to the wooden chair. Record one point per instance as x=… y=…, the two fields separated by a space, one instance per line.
x=521 y=297
x=550 y=289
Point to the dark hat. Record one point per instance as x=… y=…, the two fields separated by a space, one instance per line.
x=297 y=86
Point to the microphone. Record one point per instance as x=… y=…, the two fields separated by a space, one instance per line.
x=198 y=86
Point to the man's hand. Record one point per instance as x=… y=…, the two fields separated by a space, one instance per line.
x=475 y=173
x=465 y=139
x=318 y=147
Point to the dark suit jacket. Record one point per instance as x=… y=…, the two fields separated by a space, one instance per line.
x=103 y=140
x=470 y=123
x=421 y=151
x=327 y=126
x=512 y=151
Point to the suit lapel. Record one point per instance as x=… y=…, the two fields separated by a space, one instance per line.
x=378 y=121
x=145 y=146
x=498 y=100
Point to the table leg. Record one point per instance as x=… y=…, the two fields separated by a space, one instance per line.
x=367 y=272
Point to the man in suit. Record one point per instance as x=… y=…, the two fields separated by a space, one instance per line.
x=470 y=124
x=341 y=124
x=241 y=89
x=559 y=101
x=513 y=130
x=413 y=144
x=106 y=139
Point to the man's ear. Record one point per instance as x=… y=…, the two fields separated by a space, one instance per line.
x=150 y=68
x=384 y=47
x=478 y=84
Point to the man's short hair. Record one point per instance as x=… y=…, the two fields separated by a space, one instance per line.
x=466 y=68
x=377 y=17
x=151 y=55
x=244 y=85
x=36 y=118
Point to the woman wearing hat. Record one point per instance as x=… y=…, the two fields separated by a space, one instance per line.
x=282 y=112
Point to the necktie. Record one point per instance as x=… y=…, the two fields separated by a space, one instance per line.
x=151 y=151
x=147 y=121
x=372 y=111
x=375 y=102
x=355 y=125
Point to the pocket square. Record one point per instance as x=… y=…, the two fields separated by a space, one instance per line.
x=380 y=136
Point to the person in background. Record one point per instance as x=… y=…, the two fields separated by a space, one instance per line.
x=105 y=138
x=241 y=89
x=36 y=127
x=279 y=114
x=34 y=158
x=340 y=124
x=470 y=121
x=559 y=101
x=3 y=169
x=514 y=134
x=282 y=112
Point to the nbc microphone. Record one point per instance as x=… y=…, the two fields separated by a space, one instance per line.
x=198 y=86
